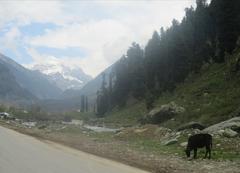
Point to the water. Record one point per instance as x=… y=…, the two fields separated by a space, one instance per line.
x=100 y=129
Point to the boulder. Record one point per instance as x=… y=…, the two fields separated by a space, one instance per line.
x=230 y=133
x=162 y=132
x=163 y=113
x=191 y=125
x=140 y=130
x=170 y=141
x=220 y=128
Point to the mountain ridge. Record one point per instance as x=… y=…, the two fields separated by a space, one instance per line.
x=35 y=82
x=63 y=76
x=11 y=91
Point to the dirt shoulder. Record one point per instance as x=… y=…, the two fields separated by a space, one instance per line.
x=125 y=152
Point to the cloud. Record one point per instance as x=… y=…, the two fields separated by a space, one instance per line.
x=103 y=29
x=24 y=12
x=103 y=41
x=90 y=65
x=90 y=35
x=10 y=40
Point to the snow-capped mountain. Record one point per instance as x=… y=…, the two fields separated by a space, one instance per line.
x=65 y=77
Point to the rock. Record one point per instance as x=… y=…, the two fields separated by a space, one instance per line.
x=178 y=133
x=196 y=131
x=73 y=122
x=208 y=167
x=162 y=131
x=230 y=133
x=191 y=125
x=29 y=124
x=178 y=136
x=163 y=113
x=140 y=130
x=220 y=132
x=170 y=142
x=183 y=144
x=218 y=129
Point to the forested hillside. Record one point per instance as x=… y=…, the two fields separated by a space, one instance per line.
x=207 y=34
x=10 y=90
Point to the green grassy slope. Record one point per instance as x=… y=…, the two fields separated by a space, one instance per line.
x=208 y=97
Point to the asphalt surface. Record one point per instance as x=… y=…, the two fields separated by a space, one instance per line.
x=20 y=153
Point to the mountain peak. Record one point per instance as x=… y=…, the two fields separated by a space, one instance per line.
x=65 y=77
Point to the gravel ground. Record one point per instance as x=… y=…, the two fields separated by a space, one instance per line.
x=121 y=151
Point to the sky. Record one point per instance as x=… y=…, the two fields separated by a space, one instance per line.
x=88 y=34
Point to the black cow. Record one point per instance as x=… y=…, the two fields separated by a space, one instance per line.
x=199 y=141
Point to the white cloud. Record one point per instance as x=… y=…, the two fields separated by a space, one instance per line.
x=10 y=40
x=104 y=41
x=89 y=65
x=103 y=29
x=24 y=12
x=90 y=35
x=11 y=37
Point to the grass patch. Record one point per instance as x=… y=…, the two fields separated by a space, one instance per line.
x=128 y=116
x=208 y=97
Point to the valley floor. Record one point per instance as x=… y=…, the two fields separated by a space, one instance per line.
x=143 y=153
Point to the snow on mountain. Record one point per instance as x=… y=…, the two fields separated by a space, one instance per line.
x=65 y=77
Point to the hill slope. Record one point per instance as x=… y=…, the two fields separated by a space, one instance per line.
x=33 y=81
x=10 y=90
x=210 y=96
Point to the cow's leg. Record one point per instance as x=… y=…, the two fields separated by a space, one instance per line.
x=195 y=153
x=207 y=151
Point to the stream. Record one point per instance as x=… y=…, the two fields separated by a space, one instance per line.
x=100 y=129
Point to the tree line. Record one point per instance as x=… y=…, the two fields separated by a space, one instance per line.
x=205 y=34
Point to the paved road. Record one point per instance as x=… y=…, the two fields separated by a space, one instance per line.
x=24 y=154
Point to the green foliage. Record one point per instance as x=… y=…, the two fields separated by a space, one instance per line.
x=227 y=19
x=2 y=108
x=149 y=100
x=124 y=116
x=102 y=98
x=84 y=103
x=204 y=34
x=208 y=96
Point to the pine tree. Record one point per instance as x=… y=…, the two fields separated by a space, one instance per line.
x=226 y=14
x=82 y=103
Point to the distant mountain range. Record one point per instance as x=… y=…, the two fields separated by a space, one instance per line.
x=10 y=90
x=71 y=99
x=62 y=76
x=91 y=87
x=52 y=85
x=33 y=81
